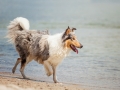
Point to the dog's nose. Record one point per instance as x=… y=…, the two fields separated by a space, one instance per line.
x=81 y=46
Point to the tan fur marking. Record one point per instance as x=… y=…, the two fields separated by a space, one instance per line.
x=72 y=42
x=68 y=31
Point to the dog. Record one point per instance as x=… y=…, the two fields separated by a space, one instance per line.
x=40 y=46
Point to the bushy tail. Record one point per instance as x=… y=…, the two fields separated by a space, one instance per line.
x=18 y=24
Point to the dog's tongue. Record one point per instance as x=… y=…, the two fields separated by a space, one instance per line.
x=76 y=51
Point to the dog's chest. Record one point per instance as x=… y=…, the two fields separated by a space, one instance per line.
x=56 y=56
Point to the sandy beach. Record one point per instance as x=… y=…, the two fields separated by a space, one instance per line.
x=9 y=81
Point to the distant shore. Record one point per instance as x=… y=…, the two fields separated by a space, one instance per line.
x=8 y=81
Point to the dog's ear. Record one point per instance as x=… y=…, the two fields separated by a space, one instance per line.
x=67 y=32
x=73 y=29
x=68 y=27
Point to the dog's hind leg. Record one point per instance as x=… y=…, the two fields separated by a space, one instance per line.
x=24 y=62
x=48 y=68
x=17 y=62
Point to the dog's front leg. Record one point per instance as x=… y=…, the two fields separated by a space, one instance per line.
x=54 y=74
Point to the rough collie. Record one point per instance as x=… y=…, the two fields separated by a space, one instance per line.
x=46 y=49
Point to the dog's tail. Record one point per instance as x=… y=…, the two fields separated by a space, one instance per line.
x=18 y=24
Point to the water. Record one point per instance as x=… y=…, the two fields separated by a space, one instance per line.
x=56 y=14
x=96 y=67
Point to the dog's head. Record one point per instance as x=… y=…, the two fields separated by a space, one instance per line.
x=70 y=40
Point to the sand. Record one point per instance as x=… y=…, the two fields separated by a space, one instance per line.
x=9 y=81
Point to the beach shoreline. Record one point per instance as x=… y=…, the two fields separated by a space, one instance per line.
x=9 y=81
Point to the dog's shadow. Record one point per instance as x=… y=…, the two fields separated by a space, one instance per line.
x=19 y=77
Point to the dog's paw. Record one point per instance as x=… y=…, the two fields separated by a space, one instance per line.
x=49 y=74
x=58 y=83
x=13 y=70
x=26 y=78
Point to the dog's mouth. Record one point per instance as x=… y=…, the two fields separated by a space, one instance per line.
x=74 y=48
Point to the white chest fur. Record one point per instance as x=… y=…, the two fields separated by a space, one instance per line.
x=57 y=50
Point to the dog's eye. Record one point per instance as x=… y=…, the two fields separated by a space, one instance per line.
x=73 y=38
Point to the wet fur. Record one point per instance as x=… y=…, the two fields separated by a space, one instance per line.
x=46 y=49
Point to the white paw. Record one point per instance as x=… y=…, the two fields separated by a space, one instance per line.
x=59 y=83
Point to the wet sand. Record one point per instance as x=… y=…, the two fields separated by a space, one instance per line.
x=9 y=81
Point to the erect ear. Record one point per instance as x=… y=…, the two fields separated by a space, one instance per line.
x=68 y=30
x=73 y=29
x=68 y=27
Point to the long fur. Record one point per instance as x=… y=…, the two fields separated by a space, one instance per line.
x=17 y=24
x=46 y=49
